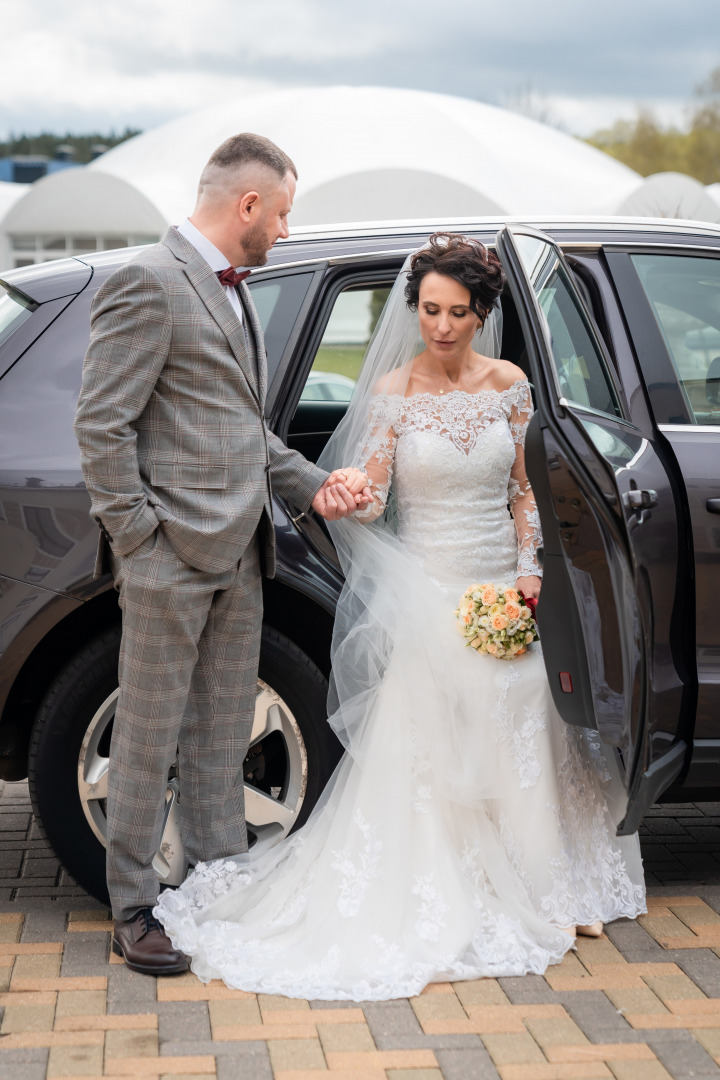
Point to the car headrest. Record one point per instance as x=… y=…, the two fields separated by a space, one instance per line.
x=712 y=382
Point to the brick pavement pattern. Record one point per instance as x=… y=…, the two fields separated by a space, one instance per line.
x=640 y=1003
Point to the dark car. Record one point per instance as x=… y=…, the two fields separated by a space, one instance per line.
x=617 y=325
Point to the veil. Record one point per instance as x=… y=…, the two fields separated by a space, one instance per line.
x=386 y=592
x=388 y=358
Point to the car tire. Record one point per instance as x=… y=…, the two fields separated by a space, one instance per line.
x=86 y=685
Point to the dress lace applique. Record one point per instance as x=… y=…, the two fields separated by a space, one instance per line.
x=474 y=871
x=519 y=737
x=592 y=741
x=515 y=855
x=296 y=903
x=457 y=416
x=357 y=872
x=432 y=908
x=210 y=880
x=491 y=422
x=590 y=876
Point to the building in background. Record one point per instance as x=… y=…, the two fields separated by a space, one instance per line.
x=27 y=168
x=363 y=154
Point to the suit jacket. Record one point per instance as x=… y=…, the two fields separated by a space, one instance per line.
x=170 y=419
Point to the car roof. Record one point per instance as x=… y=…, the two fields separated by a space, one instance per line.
x=392 y=238
x=551 y=224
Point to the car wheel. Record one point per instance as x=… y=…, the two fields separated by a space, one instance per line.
x=291 y=757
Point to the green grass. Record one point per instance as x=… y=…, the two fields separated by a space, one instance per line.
x=342 y=359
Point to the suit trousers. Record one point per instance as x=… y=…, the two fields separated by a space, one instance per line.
x=188 y=674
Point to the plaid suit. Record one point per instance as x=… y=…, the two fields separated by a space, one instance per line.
x=178 y=463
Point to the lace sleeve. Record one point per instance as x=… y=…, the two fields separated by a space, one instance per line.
x=377 y=457
x=520 y=495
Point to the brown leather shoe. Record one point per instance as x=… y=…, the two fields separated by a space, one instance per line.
x=145 y=947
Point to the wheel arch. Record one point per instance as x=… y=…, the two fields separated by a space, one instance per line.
x=301 y=619
x=287 y=609
x=70 y=631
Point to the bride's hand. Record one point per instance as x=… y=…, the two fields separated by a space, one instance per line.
x=355 y=480
x=529 y=586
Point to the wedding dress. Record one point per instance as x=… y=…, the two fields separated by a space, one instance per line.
x=468 y=824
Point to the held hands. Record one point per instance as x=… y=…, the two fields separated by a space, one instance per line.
x=529 y=586
x=344 y=492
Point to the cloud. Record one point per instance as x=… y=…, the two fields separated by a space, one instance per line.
x=101 y=63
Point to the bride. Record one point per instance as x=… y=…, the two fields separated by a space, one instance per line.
x=467 y=831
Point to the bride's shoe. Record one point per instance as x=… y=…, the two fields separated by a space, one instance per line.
x=571 y=930
x=592 y=930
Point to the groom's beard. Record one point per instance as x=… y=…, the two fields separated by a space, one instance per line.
x=256 y=245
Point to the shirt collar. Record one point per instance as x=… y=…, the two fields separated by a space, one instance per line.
x=204 y=247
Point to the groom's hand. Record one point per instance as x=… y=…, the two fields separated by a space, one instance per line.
x=344 y=492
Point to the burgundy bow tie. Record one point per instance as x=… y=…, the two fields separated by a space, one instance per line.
x=229 y=277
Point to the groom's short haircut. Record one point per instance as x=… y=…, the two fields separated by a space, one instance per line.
x=243 y=152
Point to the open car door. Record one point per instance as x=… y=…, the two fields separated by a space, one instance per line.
x=617 y=576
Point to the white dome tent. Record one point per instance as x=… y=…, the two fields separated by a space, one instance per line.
x=672 y=195
x=369 y=153
x=713 y=192
x=363 y=154
x=74 y=212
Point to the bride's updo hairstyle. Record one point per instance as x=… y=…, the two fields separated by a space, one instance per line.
x=467 y=261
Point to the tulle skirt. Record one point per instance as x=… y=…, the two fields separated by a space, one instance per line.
x=467 y=826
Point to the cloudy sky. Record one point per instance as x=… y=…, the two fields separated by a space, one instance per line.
x=83 y=65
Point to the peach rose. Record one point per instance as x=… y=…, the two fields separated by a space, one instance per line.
x=512 y=594
x=499 y=621
x=492 y=648
x=488 y=594
x=512 y=609
x=529 y=636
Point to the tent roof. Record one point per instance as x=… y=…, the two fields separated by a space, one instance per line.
x=369 y=145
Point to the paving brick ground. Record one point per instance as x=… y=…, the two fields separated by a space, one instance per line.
x=641 y=1003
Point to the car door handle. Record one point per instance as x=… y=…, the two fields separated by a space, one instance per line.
x=640 y=499
x=713 y=506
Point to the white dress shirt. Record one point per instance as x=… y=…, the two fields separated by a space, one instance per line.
x=214 y=258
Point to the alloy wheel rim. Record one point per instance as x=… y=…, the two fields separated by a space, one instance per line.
x=270 y=815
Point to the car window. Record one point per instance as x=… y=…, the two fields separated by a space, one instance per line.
x=340 y=354
x=278 y=301
x=14 y=311
x=37 y=405
x=684 y=294
x=583 y=376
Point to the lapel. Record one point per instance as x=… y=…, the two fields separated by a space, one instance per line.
x=255 y=328
x=215 y=299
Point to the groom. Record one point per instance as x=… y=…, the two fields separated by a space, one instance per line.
x=179 y=465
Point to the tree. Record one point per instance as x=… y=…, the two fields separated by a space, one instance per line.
x=703 y=152
x=647 y=147
x=45 y=144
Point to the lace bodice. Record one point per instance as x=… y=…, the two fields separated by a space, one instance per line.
x=455 y=464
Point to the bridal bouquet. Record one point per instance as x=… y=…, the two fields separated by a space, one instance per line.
x=497 y=619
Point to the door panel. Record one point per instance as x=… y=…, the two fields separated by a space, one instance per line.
x=612 y=566
x=678 y=294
